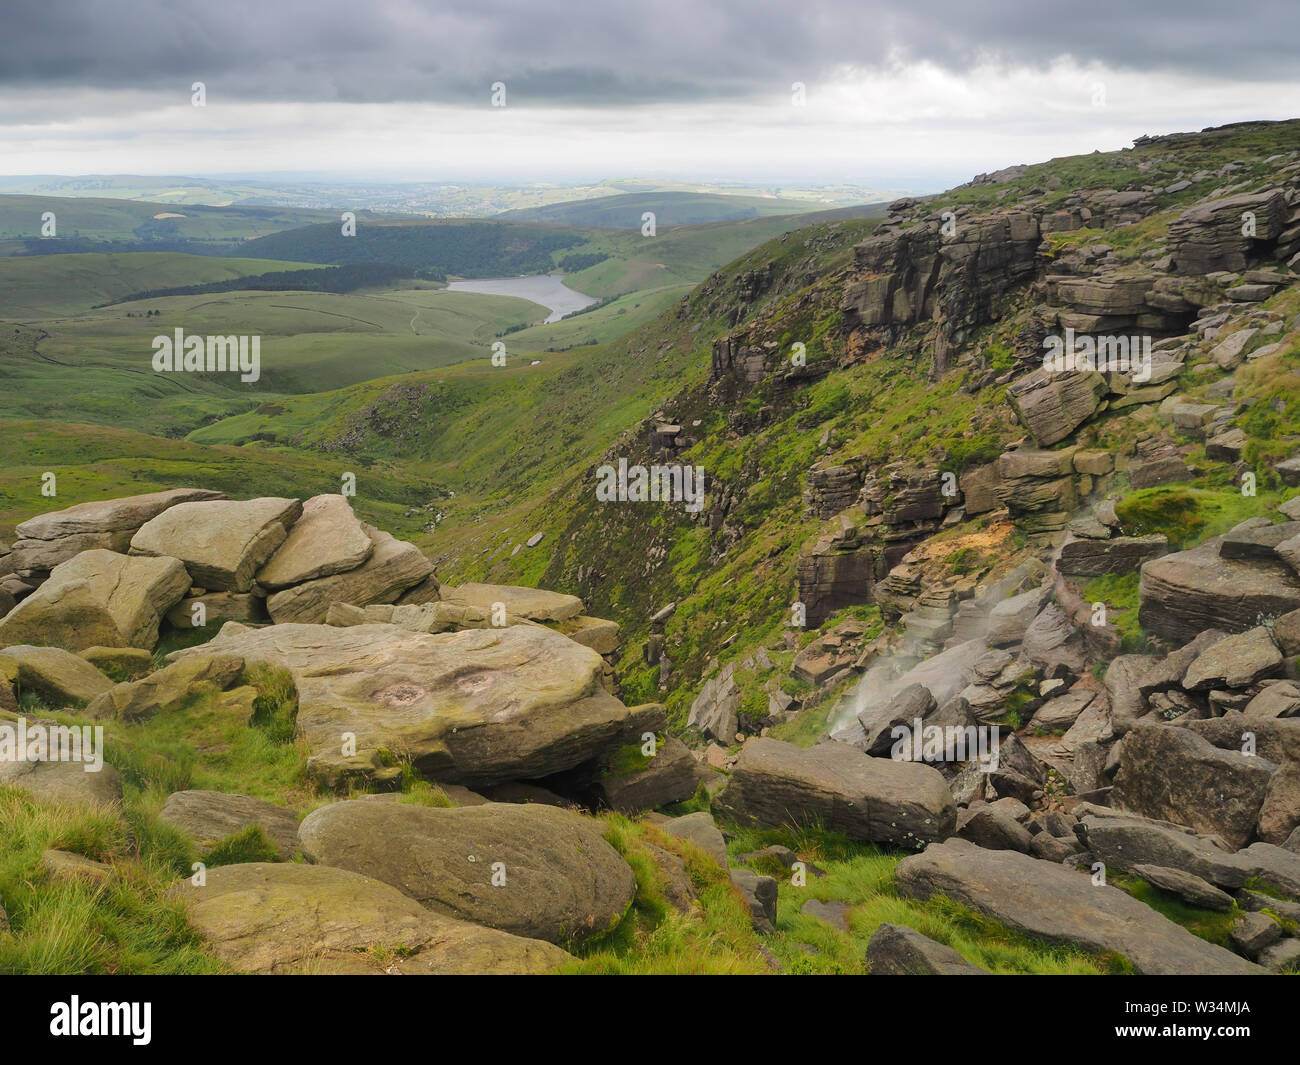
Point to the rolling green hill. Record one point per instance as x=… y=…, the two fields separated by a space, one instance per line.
x=669 y=208
x=461 y=248
x=35 y=287
x=97 y=366
x=116 y=219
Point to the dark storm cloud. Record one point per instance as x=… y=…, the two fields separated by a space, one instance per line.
x=562 y=51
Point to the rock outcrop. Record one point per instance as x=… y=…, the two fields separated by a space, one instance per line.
x=532 y=870
x=1046 y=900
x=877 y=800
x=473 y=707
x=99 y=598
x=270 y=918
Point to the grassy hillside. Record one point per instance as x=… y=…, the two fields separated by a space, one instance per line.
x=96 y=462
x=599 y=325
x=97 y=366
x=48 y=286
x=121 y=219
x=675 y=256
x=669 y=208
x=457 y=247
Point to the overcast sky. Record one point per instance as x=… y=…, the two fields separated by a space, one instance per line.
x=898 y=93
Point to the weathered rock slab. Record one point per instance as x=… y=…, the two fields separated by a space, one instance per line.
x=1060 y=905
x=896 y=950
x=59 y=677
x=1185 y=593
x=533 y=870
x=474 y=707
x=100 y=516
x=222 y=543
x=209 y=816
x=279 y=918
x=98 y=599
x=393 y=567
x=535 y=604
x=878 y=800
x=1173 y=774
x=327 y=539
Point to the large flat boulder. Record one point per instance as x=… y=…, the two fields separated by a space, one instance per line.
x=209 y=816
x=65 y=783
x=98 y=599
x=1119 y=554
x=59 y=677
x=1126 y=842
x=1173 y=774
x=393 y=566
x=535 y=604
x=1060 y=905
x=327 y=539
x=877 y=800
x=223 y=543
x=533 y=870
x=277 y=918
x=35 y=555
x=108 y=516
x=1235 y=662
x=1185 y=593
x=479 y=706
x=896 y=950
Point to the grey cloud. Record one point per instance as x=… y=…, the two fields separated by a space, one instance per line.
x=604 y=53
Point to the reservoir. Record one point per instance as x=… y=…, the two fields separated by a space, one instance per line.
x=547 y=289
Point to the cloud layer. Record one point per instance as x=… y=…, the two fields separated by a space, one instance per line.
x=901 y=93
x=603 y=54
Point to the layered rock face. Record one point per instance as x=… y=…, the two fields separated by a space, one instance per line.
x=1216 y=235
x=950 y=274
